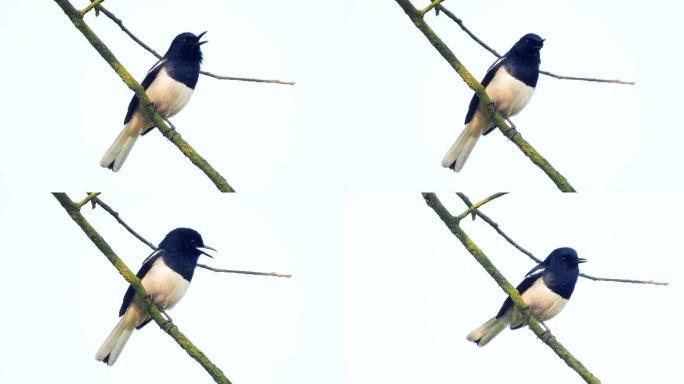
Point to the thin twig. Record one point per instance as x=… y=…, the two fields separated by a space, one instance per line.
x=477 y=205
x=495 y=53
x=485 y=103
x=91 y=196
x=118 y=22
x=130 y=230
x=498 y=230
x=123 y=223
x=550 y=340
x=148 y=305
x=90 y=6
x=275 y=274
x=429 y=7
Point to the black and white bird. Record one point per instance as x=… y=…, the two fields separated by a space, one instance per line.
x=165 y=275
x=545 y=290
x=509 y=83
x=169 y=85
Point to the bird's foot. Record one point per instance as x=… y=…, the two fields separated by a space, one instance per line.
x=148 y=300
x=547 y=332
x=168 y=323
x=545 y=336
x=172 y=132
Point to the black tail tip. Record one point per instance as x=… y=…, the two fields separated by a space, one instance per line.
x=106 y=360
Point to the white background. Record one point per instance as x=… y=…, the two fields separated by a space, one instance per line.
x=330 y=171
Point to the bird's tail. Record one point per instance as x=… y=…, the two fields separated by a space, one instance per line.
x=119 y=150
x=457 y=155
x=112 y=347
x=487 y=331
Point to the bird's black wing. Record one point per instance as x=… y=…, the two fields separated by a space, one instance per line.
x=151 y=75
x=130 y=293
x=522 y=287
x=475 y=101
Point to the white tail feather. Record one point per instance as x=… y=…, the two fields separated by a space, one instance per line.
x=487 y=331
x=119 y=150
x=457 y=155
x=113 y=345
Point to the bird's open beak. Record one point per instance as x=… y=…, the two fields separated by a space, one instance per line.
x=206 y=247
x=581 y=260
x=199 y=37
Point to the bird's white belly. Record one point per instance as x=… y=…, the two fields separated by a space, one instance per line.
x=164 y=285
x=168 y=95
x=543 y=302
x=509 y=94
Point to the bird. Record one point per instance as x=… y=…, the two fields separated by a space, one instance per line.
x=509 y=83
x=169 y=84
x=545 y=290
x=165 y=275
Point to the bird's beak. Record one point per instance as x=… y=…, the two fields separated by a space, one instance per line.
x=206 y=247
x=581 y=260
x=199 y=37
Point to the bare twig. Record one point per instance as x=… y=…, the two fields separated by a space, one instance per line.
x=130 y=230
x=275 y=274
x=475 y=206
x=93 y=4
x=118 y=22
x=429 y=7
x=123 y=223
x=149 y=306
x=498 y=230
x=553 y=343
x=495 y=53
x=91 y=196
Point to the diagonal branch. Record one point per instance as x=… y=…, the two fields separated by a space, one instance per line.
x=154 y=312
x=130 y=34
x=485 y=102
x=498 y=230
x=458 y=21
x=434 y=203
x=130 y=230
x=77 y=19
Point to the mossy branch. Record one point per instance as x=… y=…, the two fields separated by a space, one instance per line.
x=170 y=328
x=453 y=225
x=77 y=19
x=529 y=151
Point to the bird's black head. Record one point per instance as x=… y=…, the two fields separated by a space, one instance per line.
x=185 y=241
x=563 y=259
x=528 y=45
x=186 y=46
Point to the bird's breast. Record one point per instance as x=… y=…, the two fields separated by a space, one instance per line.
x=543 y=302
x=509 y=94
x=168 y=95
x=164 y=284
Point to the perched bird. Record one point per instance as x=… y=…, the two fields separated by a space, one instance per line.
x=546 y=289
x=169 y=85
x=165 y=275
x=509 y=84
